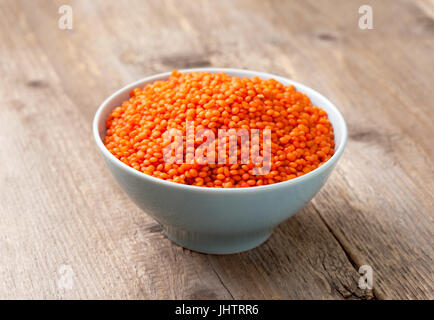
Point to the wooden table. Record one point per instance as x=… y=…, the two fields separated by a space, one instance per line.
x=68 y=231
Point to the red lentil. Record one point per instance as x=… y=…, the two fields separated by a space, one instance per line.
x=301 y=134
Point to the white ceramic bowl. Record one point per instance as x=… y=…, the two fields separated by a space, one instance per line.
x=214 y=220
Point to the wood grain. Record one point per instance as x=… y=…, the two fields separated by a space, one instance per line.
x=61 y=207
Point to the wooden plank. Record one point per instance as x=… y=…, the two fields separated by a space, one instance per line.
x=61 y=207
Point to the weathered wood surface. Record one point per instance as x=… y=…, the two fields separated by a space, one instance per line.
x=59 y=205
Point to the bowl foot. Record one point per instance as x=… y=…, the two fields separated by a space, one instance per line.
x=217 y=243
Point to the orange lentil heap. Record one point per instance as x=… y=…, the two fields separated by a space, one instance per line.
x=301 y=135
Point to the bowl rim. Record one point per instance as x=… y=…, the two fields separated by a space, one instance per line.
x=340 y=121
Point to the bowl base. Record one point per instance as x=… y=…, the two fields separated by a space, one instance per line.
x=217 y=243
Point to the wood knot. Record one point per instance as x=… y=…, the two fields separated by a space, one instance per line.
x=36 y=83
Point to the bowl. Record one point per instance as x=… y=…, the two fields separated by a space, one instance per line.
x=217 y=220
